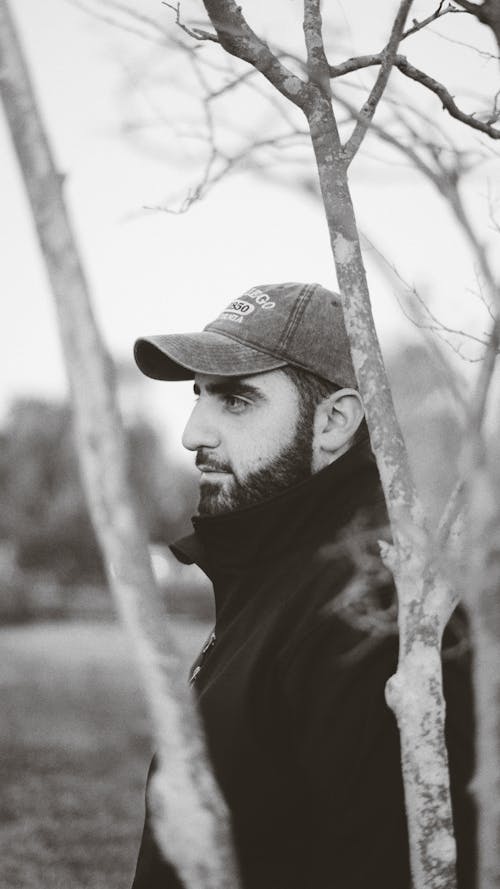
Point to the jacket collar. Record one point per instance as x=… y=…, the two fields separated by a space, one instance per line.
x=309 y=512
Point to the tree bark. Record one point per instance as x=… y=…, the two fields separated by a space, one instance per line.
x=481 y=596
x=191 y=818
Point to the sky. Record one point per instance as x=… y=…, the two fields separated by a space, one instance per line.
x=156 y=272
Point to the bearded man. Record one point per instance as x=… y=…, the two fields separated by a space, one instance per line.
x=290 y=684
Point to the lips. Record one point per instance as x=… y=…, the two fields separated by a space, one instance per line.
x=211 y=467
x=206 y=463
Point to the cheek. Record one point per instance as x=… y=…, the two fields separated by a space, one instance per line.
x=261 y=442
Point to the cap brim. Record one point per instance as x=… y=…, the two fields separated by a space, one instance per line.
x=180 y=356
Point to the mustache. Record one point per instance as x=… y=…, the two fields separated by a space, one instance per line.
x=208 y=462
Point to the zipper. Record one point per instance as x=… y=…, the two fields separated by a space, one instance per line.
x=209 y=644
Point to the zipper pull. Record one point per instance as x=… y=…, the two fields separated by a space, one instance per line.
x=204 y=651
x=208 y=644
x=194 y=674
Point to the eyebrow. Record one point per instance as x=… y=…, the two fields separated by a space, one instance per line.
x=232 y=386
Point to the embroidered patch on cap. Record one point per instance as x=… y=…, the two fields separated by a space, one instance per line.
x=240 y=309
x=237 y=311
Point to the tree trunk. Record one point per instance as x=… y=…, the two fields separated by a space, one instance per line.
x=192 y=822
x=481 y=597
x=415 y=693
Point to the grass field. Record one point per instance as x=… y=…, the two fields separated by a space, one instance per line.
x=74 y=752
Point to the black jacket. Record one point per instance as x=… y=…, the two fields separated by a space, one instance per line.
x=291 y=691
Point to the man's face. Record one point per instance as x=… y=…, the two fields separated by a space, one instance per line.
x=250 y=439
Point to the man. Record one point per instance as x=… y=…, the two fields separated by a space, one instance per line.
x=290 y=684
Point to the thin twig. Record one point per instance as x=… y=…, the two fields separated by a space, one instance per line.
x=451 y=520
x=391 y=272
x=477 y=246
x=396 y=143
x=233 y=84
x=209 y=121
x=484 y=54
x=228 y=165
x=417 y=26
x=436 y=324
x=196 y=33
x=368 y=110
x=447 y=181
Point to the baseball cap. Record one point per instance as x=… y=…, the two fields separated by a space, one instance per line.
x=270 y=326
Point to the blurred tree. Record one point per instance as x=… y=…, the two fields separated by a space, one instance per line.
x=167 y=490
x=46 y=514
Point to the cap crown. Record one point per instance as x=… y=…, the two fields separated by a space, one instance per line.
x=301 y=324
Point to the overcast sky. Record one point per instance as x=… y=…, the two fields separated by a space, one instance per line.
x=156 y=272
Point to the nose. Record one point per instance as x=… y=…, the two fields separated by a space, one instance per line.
x=200 y=430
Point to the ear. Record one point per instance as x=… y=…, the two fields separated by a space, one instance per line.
x=335 y=423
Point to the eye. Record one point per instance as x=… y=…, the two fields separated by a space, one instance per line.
x=235 y=404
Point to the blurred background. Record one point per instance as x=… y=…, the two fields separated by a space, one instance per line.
x=181 y=202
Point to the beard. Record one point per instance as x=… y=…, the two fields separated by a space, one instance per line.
x=292 y=465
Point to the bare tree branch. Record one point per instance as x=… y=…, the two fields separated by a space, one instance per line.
x=233 y=84
x=210 y=128
x=207 y=181
x=438 y=325
x=417 y=26
x=410 y=152
x=491 y=57
x=393 y=276
x=238 y=39
x=368 y=110
x=446 y=181
x=430 y=83
x=446 y=98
